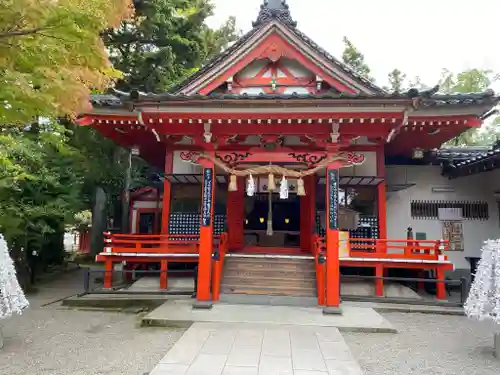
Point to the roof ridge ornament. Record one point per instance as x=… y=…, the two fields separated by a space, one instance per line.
x=274 y=10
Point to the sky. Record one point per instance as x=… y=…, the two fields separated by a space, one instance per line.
x=420 y=38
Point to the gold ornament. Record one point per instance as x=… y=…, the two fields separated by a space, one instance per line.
x=271 y=183
x=301 y=191
x=233 y=183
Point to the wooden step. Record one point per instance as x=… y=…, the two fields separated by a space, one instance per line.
x=269 y=276
x=307 y=274
x=283 y=291
x=269 y=281
x=270 y=265
x=268 y=260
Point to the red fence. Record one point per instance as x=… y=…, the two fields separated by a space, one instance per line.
x=397 y=249
x=151 y=244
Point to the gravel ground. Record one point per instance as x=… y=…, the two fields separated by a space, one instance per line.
x=427 y=345
x=50 y=340
x=56 y=342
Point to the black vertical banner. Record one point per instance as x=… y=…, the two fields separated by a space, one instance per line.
x=206 y=202
x=333 y=199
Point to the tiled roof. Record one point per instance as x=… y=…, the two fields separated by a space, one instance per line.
x=106 y=100
x=265 y=97
x=487 y=97
x=275 y=9
x=118 y=98
x=469 y=160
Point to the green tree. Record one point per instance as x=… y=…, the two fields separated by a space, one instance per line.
x=164 y=42
x=40 y=184
x=51 y=48
x=416 y=83
x=355 y=59
x=470 y=81
x=397 y=81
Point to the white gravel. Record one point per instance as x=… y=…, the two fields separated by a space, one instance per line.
x=427 y=345
x=53 y=341
x=56 y=342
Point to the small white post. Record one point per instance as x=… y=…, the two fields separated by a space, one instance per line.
x=496 y=345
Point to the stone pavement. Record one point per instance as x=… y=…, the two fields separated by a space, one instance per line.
x=180 y=313
x=259 y=349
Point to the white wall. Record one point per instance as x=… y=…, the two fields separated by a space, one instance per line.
x=180 y=166
x=473 y=188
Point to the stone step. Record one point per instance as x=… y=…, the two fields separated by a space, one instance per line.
x=261 y=299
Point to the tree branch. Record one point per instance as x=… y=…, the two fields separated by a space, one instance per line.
x=10 y=34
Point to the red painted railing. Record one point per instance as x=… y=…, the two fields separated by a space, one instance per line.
x=218 y=266
x=397 y=249
x=151 y=243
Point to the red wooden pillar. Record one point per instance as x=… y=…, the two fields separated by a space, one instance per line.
x=379 y=283
x=203 y=297
x=167 y=191
x=163 y=274
x=308 y=213
x=235 y=215
x=440 y=286
x=332 y=242
x=305 y=209
x=108 y=274
x=381 y=195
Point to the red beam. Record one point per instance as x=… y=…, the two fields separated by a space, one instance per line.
x=314 y=130
x=238 y=114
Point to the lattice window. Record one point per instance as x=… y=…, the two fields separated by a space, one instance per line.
x=476 y=210
x=189 y=223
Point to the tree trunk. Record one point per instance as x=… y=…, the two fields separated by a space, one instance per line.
x=98 y=221
x=126 y=193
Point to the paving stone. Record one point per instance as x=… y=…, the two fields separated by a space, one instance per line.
x=301 y=340
x=275 y=365
x=207 y=364
x=336 y=367
x=260 y=349
x=170 y=369
x=181 y=355
x=234 y=370
x=364 y=319
x=308 y=360
x=219 y=342
x=276 y=343
x=249 y=337
x=336 y=350
x=244 y=356
x=329 y=334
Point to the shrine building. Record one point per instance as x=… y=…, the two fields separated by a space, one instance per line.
x=282 y=168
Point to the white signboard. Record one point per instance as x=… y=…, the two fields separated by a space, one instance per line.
x=450 y=214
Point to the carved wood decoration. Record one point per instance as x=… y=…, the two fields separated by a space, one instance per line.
x=273 y=52
x=233 y=158
x=309 y=159
x=274 y=77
